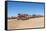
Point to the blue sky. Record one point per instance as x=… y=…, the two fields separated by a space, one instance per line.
x=15 y=8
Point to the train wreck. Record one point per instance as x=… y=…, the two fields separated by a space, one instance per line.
x=24 y=16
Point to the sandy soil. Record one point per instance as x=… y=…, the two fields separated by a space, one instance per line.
x=31 y=23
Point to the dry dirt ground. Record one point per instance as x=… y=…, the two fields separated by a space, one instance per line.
x=31 y=23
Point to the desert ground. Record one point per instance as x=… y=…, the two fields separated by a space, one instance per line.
x=31 y=23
